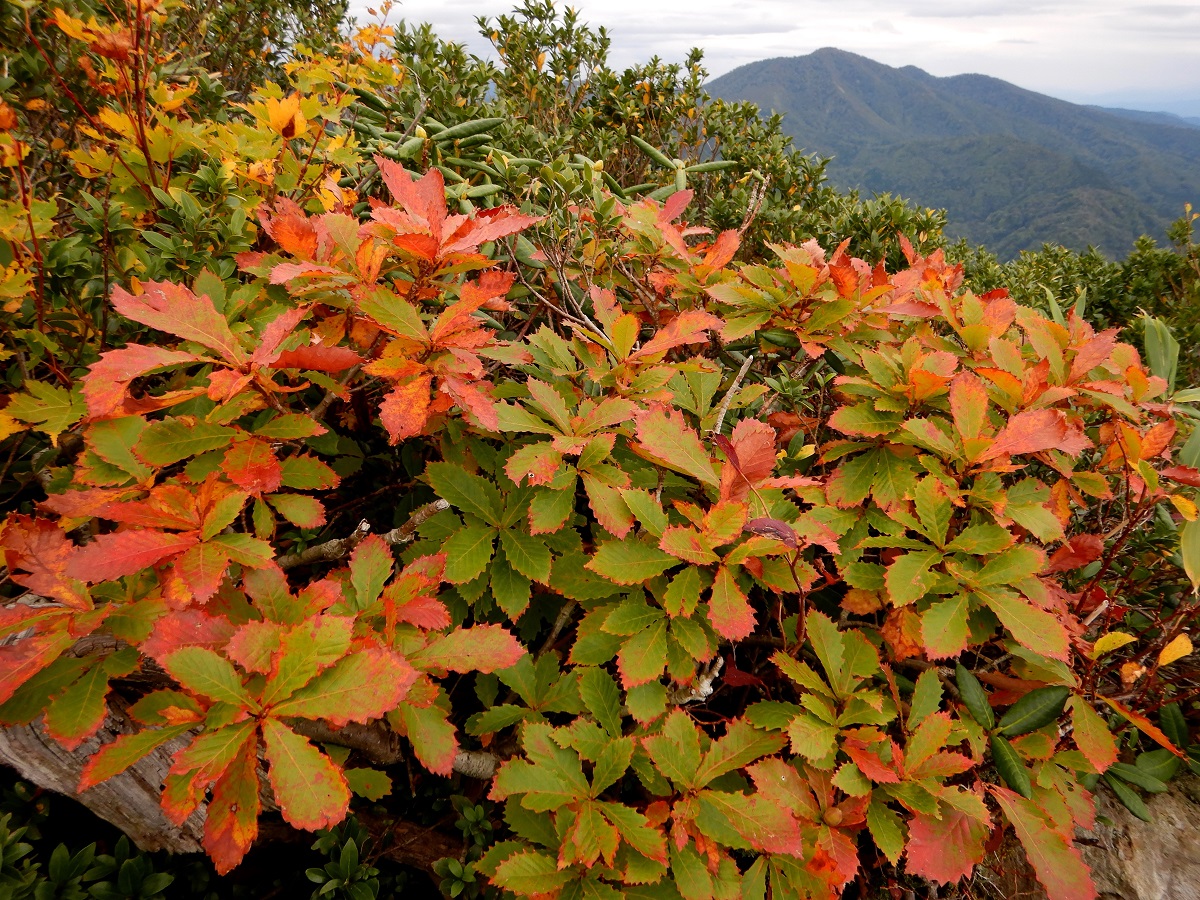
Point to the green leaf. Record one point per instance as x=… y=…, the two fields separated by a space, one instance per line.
x=1189 y=549
x=80 y=710
x=530 y=873
x=1137 y=776
x=114 y=439
x=369 y=783
x=933 y=509
x=1011 y=566
x=602 y=698
x=630 y=562
x=209 y=674
x=171 y=440
x=469 y=493
x=643 y=657
x=1162 y=350
x=511 y=589
x=887 y=829
x=47 y=407
x=981 y=540
x=468 y=551
x=549 y=510
x=1039 y=707
x=944 y=628
x=1129 y=798
x=527 y=555
x=365 y=685
x=113 y=759
x=741 y=745
x=371 y=566
x=974 y=697
x=307 y=473
x=909 y=578
x=926 y=698
x=1009 y=765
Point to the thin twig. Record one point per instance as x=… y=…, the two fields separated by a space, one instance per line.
x=733 y=389
x=341 y=547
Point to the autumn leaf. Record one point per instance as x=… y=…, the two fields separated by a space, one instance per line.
x=176 y=310
x=112 y=556
x=483 y=648
x=311 y=790
x=1036 y=430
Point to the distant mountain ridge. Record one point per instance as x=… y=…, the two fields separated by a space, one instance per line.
x=1013 y=168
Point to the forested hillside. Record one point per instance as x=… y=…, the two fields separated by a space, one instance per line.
x=1013 y=168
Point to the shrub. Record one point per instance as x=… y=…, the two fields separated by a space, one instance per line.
x=732 y=565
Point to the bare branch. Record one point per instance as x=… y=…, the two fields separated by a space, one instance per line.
x=733 y=389
x=340 y=547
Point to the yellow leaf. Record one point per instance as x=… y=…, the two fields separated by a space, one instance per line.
x=8 y=425
x=1109 y=642
x=1177 y=649
x=1186 y=507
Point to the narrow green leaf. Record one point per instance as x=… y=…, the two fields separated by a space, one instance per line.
x=1039 y=707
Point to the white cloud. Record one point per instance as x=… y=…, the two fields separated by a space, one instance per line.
x=1105 y=51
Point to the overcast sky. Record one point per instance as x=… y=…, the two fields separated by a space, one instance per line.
x=1087 y=51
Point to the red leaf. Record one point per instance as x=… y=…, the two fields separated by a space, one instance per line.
x=869 y=763
x=471 y=398
x=292 y=230
x=186 y=628
x=311 y=790
x=176 y=310
x=1075 y=553
x=487 y=225
x=1145 y=726
x=231 y=823
x=1036 y=430
x=201 y=570
x=484 y=648
x=1183 y=474
x=21 y=660
x=728 y=609
x=752 y=462
x=945 y=850
x=1056 y=861
x=318 y=358
x=406 y=409
x=278 y=331
x=252 y=465
x=1094 y=353
x=254 y=645
x=107 y=380
x=112 y=556
x=688 y=327
x=37 y=554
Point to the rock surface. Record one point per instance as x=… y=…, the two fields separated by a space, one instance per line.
x=1158 y=860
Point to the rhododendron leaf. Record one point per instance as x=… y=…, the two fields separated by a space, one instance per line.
x=310 y=789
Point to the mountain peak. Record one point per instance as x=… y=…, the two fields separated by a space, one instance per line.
x=1012 y=167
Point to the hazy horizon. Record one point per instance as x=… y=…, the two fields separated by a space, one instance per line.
x=1100 y=52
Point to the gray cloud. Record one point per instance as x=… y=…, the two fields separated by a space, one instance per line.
x=1075 y=49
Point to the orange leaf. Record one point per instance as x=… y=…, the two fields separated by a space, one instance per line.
x=405 y=410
